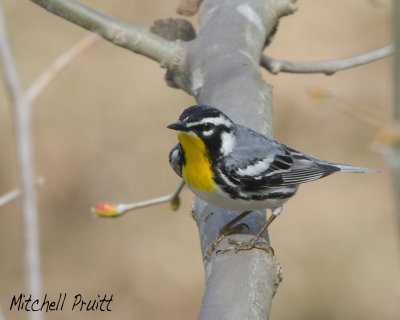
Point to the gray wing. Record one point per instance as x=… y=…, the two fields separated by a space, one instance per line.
x=268 y=163
x=176 y=159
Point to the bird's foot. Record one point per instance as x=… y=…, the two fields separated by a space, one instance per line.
x=246 y=245
x=226 y=231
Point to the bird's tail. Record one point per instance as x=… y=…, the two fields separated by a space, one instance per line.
x=346 y=168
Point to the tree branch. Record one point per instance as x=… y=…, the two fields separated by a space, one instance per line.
x=222 y=69
x=22 y=119
x=328 y=67
x=393 y=156
x=109 y=209
x=167 y=53
x=48 y=75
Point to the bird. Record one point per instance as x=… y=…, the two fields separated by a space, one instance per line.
x=233 y=167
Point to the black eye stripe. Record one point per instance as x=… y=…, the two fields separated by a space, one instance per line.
x=204 y=127
x=208 y=126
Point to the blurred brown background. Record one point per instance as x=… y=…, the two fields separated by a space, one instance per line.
x=99 y=132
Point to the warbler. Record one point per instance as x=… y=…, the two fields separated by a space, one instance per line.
x=233 y=167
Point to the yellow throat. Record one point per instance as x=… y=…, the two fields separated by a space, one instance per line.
x=197 y=168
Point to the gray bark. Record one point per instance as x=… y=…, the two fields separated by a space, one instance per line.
x=221 y=68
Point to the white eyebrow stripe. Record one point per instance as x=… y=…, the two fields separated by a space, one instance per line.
x=215 y=121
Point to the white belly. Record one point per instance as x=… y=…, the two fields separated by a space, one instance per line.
x=220 y=199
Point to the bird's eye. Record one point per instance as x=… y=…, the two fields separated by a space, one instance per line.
x=208 y=126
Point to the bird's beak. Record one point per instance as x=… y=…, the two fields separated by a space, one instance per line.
x=179 y=126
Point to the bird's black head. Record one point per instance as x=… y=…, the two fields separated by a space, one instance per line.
x=199 y=112
x=209 y=124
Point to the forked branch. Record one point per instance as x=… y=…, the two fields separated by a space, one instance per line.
x=15 y=193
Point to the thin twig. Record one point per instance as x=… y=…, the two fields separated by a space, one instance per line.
x=368 y=115
x=15 y=193
x=328 y=67
x=22 y=118
x=139 y=40
x=388 y=130
x=123 y=208
x=108 y=209
x=48 y=75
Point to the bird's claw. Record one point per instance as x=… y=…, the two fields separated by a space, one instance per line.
x=223 y=233
x=248 y=245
